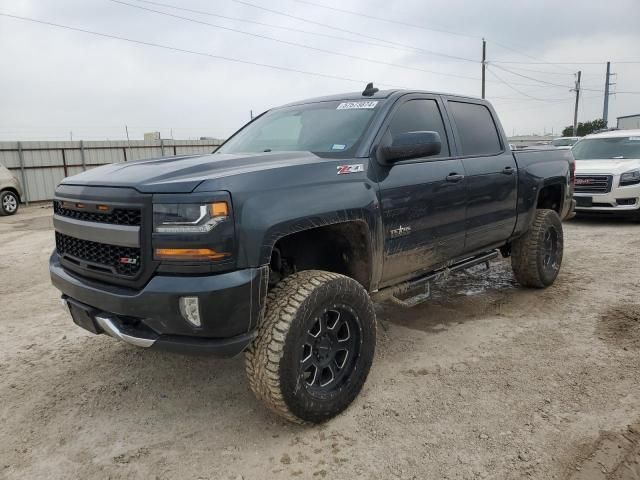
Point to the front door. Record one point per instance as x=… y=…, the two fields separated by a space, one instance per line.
x=491 y=175
x=423 y=199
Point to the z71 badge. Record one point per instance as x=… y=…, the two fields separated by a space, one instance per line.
x=355 y=168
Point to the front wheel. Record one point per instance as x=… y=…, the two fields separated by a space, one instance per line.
x=314 y=347
x=9 y=203
x=537 y=255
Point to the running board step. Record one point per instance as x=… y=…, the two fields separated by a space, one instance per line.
x=392 y=293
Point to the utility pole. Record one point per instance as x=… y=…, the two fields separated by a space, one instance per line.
x=250 y=114
x=126 y=129
x=575 y=113
x=484 y=64
x=605 y=110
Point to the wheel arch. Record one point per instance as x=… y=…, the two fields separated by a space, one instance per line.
x=12 y=190
x=343 y=247
x=551 y=196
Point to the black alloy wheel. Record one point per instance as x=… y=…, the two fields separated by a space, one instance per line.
x=330 y=349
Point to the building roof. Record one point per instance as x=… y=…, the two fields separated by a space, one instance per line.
x=629 y=116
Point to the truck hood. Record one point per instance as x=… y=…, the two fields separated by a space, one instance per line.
x=183 y=174
x=607 y=166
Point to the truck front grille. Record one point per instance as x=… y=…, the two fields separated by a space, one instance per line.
x=117 y=216
x=593 y=183
x=99 y=257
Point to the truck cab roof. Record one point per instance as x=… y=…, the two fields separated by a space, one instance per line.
x=379 y=95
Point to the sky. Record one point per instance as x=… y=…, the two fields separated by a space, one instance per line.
x=60 y=84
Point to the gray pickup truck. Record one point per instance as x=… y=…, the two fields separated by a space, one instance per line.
x=276 y=243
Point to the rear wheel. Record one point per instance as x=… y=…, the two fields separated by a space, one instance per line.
x=9 y=203
x=314 y=347
x=537 y=255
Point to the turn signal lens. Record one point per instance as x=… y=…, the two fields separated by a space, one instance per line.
x=186 y=254
x=219 y=209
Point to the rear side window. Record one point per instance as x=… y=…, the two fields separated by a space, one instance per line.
x=476 y=129
x=419 y=116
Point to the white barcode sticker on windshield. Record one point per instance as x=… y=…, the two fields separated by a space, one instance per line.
x=357 y=105
x=634 y=139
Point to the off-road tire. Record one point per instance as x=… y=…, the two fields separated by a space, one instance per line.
x=8 y=197
x=529 y=253
x=273 y=361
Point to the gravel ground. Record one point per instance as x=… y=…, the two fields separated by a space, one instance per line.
x=486 y=380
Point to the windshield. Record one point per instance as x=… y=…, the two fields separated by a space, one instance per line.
x=332 y=129
x=612 y=147
x=563 y=142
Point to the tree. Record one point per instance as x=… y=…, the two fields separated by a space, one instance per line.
x=585 y=128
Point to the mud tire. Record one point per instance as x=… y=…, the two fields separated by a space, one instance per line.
x=536 y=257
x=273 y=361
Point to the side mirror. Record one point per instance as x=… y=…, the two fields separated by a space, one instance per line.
x=410 y=145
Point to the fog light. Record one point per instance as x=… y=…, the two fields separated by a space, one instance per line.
x=190 y=310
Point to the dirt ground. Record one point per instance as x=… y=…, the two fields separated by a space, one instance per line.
x=486 y=380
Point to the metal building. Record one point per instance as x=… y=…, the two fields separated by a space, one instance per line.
x=41 y=166
x=629 y=122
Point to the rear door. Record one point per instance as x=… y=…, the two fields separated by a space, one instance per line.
x=423 y=199
x=491 y=174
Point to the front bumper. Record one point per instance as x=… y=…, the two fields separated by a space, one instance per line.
x=620 y=200
x=230 y=308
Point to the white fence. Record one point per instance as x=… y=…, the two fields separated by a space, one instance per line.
x=40 y=166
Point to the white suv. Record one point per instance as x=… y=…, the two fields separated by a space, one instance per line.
x=608 y=173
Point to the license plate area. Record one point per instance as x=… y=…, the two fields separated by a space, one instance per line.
x=584 y=201
x=83 y=316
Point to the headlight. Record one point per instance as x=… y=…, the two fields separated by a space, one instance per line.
x=630 y=178
x=188 y=218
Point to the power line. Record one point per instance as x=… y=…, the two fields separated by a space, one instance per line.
x=244 y=2
x=520 y=99
x=413 y=25
x=514 y=88
x=570 y=63
x=191 y=52
x=295 y=44
x=344 y=30
x=563 y=86
x=388 y=20
x=307 y=32
x=530 y=78
x=197 y=53
x=545 y=72
x=524 y=54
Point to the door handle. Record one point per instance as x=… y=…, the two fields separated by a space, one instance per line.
x=454 y=177
x=508 y=170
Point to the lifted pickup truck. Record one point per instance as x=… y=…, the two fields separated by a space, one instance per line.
x=276 y=243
